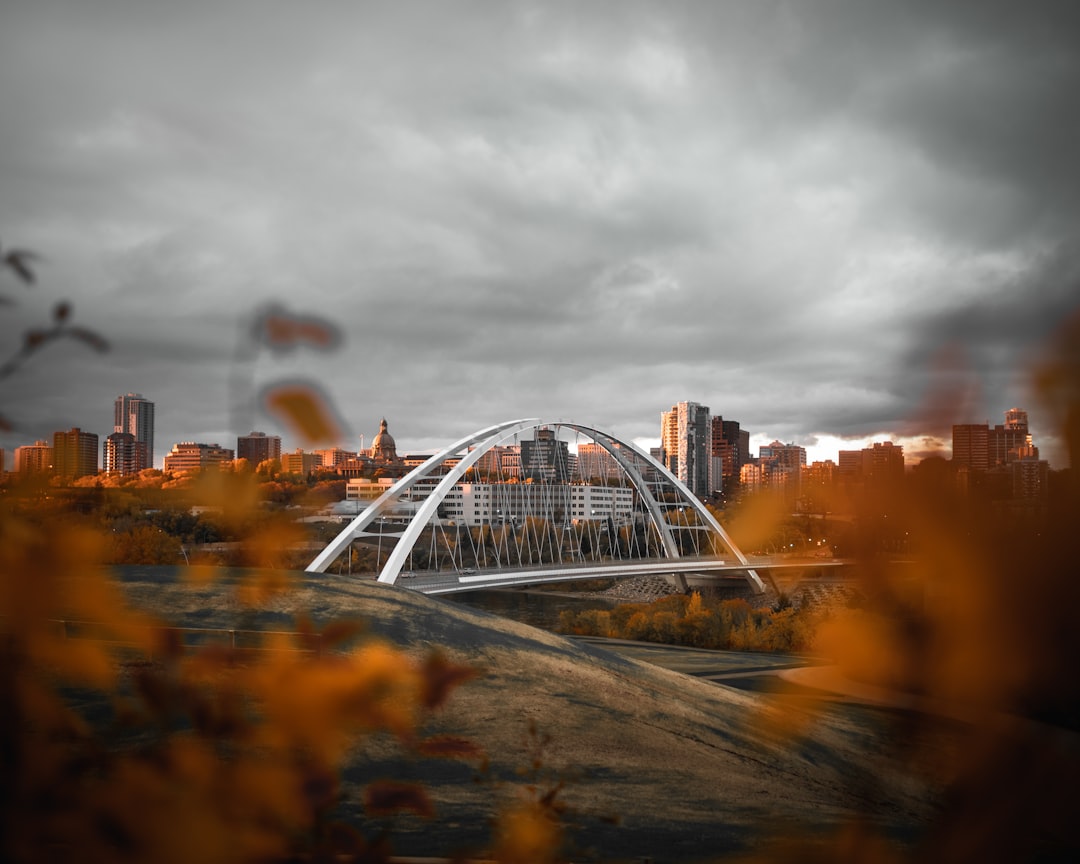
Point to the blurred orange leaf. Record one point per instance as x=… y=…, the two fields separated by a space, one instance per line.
x=527 y=834
x=387 y=797
x=200 y=574
x=440 y=677
x=756 y=520
x=280 y=330
x=449 y=747
x=304 y=408
x=259 y=587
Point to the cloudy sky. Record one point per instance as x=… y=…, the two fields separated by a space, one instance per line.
x=831 y=221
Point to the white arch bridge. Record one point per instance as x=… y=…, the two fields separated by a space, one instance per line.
x=530 y=521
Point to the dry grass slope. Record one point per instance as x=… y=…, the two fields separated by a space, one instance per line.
x=690 y=770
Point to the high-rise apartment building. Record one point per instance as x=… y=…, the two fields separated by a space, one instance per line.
x=751 y=476
x=970 y=446
x=1030 y=479
x=119 y=454
x=1017 y=419
x=1005 y=443
x=594 y=461
x=36 y=458
x=510 y=461
x=686 y=439
x=849 y=464
x=818 y=478
x=881 y=462
x=979 y=447
x=783 y=455
x=782 y=466
x=257 y=447
x=544 y=458
x=135 y=414
x=732 y=446
x=75 y=454
x=499 y=463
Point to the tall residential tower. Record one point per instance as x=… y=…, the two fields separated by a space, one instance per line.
x=134 y=415
x=981 y=447
x=686 y=441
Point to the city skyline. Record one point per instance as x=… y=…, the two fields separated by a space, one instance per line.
x=838 y=222
x=1015 y=420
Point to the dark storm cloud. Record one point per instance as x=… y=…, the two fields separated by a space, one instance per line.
x=994 y=343
x=787 y=211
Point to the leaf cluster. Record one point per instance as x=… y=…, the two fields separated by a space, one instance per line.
x=121 y=742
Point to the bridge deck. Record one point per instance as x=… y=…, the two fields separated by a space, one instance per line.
x=454 y=582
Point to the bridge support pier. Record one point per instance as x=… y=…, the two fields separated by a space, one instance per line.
x=679 y=581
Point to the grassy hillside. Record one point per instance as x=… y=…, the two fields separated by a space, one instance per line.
x=655 y=763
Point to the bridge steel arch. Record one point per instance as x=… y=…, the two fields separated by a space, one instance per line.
x=652 y=481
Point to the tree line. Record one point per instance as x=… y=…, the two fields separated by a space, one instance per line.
x=700 y=622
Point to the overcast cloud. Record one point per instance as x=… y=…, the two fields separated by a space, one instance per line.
x=827 y=220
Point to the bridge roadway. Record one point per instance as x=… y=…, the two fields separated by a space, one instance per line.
x=451 y=582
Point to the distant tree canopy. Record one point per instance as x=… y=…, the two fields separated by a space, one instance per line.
x=700 y=623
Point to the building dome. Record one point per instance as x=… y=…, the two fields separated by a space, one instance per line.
x=383 y=448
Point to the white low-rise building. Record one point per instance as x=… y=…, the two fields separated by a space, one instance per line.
x=499 y=503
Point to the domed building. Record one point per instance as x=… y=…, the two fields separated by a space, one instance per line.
x=384 y=450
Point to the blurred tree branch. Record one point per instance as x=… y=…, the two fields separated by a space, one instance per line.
x=20 y=262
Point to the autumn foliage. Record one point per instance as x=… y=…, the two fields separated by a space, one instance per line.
x=699 y=623
x=119 y=743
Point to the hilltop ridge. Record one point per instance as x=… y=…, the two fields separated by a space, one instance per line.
x=657 y=764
